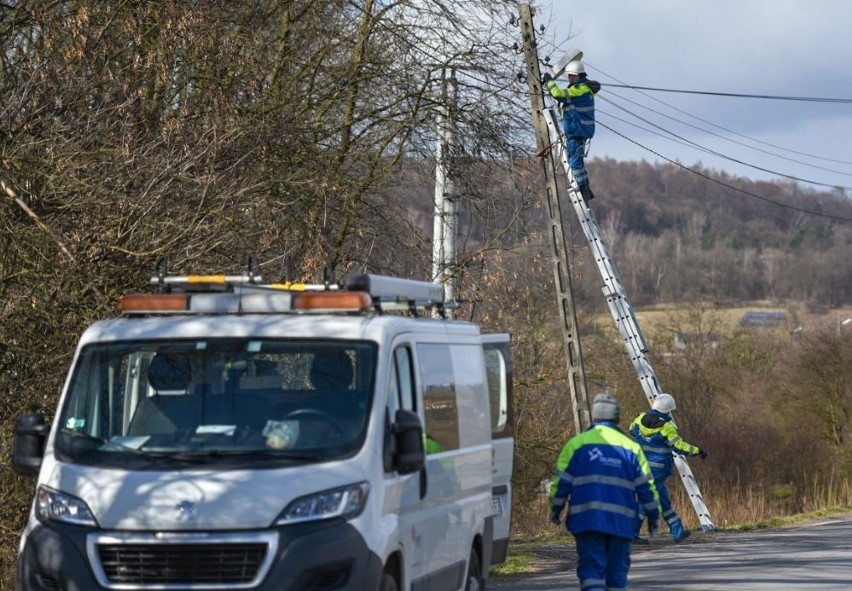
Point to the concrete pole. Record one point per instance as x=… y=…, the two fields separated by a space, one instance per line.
x=445 y=213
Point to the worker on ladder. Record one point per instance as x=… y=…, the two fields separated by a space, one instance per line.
x=578 y=118
x=659 y=438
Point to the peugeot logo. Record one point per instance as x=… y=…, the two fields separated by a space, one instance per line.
x=186 y=511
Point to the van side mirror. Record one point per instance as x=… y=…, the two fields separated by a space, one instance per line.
x=408 y=434
x=28 y=443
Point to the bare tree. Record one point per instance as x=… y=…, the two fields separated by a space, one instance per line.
x=208 y=131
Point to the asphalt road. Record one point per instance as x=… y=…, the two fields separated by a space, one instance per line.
x=812 y=556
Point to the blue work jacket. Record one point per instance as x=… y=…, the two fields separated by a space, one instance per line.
x=659 y=438
x=603 y=475
x=578 y=106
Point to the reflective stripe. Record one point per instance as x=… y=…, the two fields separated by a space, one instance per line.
x=599 y=479
x=651 y=506
x=564 y=476
x=642 y=480
x=593 y=584
x=599 y=506
x=655 y=450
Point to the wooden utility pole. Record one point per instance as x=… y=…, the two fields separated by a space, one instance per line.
x=613 y=288
x=559 y=251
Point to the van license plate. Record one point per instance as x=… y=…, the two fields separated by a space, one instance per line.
x=496 y=506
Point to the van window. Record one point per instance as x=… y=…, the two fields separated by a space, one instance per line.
x=498 y=389
x=401 y=395
x=439 y=397
x=454 y=394
x=472 y=395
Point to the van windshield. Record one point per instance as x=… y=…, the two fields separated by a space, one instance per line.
x=217 y=401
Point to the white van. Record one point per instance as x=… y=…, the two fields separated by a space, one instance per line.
x=223 y=434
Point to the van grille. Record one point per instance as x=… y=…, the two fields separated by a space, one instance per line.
x=176 y=564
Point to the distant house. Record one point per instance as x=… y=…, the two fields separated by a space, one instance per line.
x=763 y=319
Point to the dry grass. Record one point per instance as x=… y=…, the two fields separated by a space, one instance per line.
x=741 y=507
x=746 y=506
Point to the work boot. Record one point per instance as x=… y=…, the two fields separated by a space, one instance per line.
x=685 y=534
x=587 y=194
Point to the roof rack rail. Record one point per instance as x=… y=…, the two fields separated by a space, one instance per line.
x=236 y=294
x=384 y=288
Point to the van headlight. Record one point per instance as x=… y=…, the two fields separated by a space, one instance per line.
x=346 y=502
x=52 y=505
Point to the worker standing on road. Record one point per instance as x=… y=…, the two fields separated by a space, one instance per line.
x=659 y=438
x=603 y=476
x=578 y=119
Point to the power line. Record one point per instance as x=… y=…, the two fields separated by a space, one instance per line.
x=728 y=185
x=808 y=99
x=729 y=158
x=840 y=172
x=755 y=140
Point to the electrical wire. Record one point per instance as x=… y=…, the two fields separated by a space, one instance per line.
x=641 y=106
x=775 y=97
x=728 y=185
x=726 y=157
x=501 y=88
x=684 y=141
x=708 y=177
x=752 y=139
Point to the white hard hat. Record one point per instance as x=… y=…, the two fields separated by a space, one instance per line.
x=570 y=55
x=606 y=408
x=575 y=67
x=664 y=403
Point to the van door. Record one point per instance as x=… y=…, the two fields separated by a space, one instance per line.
x=498 y=365
x=458 y=447
x=404 y=494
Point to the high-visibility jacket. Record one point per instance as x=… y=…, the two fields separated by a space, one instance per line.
x=659 y=438
x=603 y=475
x=578 y=106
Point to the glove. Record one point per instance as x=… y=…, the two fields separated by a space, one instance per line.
x=546 y=78
x=555 y=519
x=702 y=453
x=653 y=525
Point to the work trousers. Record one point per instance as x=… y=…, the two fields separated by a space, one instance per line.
x=603 y=561
x=576 y=149
x=676 y=528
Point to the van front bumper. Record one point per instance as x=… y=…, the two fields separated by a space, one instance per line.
x=329 y=555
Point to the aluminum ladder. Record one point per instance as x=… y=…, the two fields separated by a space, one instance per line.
x=620 y=308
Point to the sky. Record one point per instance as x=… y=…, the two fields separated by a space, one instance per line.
x=795 y=48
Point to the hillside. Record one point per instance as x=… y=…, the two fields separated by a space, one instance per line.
x=678 y=235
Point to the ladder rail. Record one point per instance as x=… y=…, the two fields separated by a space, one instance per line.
x=622 y=311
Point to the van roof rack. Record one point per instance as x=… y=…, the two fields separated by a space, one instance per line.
x=246 y=294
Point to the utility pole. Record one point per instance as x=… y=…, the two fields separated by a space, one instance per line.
x=559 y=251
x=613 y=288
x=446 y=213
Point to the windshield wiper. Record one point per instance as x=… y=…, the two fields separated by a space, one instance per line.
x=105 y=444
x=247 y=453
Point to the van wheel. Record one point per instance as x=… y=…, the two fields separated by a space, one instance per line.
x=388 y=583
x=475 y=581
